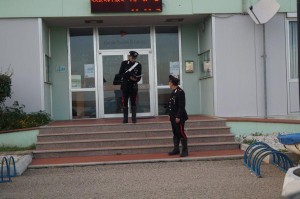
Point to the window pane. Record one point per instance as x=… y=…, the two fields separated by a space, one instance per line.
x=163 y=99
x=167 y=52
x=124 y=38
x=293 y=42
x=47 y=69
x=112 y=94
x=143 y=101
x=82 y=58
x=83 y=105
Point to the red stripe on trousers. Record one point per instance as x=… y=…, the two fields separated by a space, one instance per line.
x=182 y=131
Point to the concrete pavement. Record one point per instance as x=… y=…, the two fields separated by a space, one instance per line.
x=191 y=179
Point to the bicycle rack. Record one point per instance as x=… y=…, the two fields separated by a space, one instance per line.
x=257 y=151
x=7 y=177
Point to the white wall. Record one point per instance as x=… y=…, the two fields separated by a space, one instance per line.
x=294 y=97
x=239 y=67
x=276 y=65
x=20 y=49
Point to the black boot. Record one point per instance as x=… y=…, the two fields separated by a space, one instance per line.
x=133 y=112
x=176 y=146
x=184 y=144
x=125 y=115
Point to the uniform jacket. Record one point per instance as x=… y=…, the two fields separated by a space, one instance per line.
x=177 y=104
x=136 y=72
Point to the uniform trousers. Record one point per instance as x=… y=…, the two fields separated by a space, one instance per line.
x=178 y=128
x=129 y=92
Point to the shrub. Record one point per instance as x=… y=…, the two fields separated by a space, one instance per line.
x=257 y=134
x=15 y=118
x=250 y=141
x=5 y=86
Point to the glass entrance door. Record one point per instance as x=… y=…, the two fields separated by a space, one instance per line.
x=110 y=96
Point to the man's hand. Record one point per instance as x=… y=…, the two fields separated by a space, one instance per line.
x=177 y=120
x=133 y=78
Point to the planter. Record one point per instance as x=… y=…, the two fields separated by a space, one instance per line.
x=19 y=138
x=291 y=183
x=20 y=166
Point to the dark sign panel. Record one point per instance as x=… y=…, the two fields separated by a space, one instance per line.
x=98 y=6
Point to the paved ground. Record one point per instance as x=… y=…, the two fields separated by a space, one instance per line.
x=195 y=179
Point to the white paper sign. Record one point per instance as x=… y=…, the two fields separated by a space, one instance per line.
x=76 y=81
x=89 y=71
x=174 y=69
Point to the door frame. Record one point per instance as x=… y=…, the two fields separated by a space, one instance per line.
x=100 y=91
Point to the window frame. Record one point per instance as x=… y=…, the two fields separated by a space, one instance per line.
x=288 y=53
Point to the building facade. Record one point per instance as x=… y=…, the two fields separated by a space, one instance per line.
x=64 y=57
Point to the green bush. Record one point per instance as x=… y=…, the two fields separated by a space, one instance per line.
x=249 y=141
x=15 y=118
x=257 y=134
x=5 y=86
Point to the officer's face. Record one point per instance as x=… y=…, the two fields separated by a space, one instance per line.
x=170 y=84
x=132 y=59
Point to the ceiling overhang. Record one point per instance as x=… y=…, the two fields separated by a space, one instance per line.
x=124 y=20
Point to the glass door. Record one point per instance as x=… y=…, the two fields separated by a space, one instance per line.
x=110 y=96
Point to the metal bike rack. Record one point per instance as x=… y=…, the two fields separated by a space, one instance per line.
x=256 y=152
x=7 y=177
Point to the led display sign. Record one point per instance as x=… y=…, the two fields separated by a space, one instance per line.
x=98 y=6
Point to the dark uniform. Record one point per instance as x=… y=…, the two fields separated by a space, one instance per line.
x=177 y=110
x=129 y=87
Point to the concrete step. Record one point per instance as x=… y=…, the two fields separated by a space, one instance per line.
x=127 y=127
x=131 y=150
x=129 y=134
x=98 y=143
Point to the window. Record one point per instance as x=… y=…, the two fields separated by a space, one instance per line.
x=124 y=38
x=82 y=73
x=83 y=105
x=293 y=49
x=82 y=58
x=47 y=69
x=167 y=53
x=167 y=56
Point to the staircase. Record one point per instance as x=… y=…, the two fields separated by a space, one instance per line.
x=145 y=137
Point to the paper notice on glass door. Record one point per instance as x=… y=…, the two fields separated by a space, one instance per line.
x=174 y=69
x=89 y=71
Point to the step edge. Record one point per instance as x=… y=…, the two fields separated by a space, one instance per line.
x=126 y=147
x=129 y=131
x=185 y=159
x=121 y=124
x=131 y=139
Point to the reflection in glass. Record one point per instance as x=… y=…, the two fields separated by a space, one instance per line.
x=143 y=59
x=163 y=99
x=167 y=51
x=124 y=38
x=112 y=93
x=143 y=103
x=83 y=105
x=82 y=58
